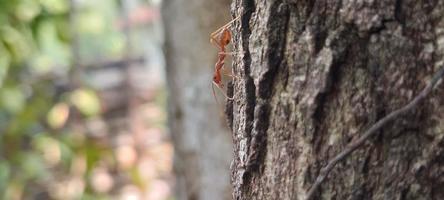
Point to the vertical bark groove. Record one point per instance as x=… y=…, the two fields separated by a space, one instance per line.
x=265 y=79
x=242 y=141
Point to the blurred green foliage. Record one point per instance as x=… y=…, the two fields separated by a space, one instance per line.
x=38 y=154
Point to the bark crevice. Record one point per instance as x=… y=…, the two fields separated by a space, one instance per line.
x=264 y=89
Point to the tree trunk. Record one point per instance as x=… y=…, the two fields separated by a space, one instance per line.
x=314 y=75
x=203 y=146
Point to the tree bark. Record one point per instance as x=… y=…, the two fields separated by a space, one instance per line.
x=203 y=147
x=315 y=75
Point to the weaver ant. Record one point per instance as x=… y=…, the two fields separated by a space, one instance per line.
x=221 y=37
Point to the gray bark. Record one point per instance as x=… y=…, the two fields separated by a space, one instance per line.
x=201 y=139
x=314 y=75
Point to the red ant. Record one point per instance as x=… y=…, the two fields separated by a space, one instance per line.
x=221 y=37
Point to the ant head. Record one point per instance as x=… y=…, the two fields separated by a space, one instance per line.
x=225 y=37
x=226 y=41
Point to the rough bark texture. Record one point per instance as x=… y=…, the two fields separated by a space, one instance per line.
x=314 y=75
x=202 y=142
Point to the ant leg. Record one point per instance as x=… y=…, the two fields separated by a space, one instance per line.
x=230 y=74
x=222 y=91
x=213 y=40
x=231 y=53
x=224 y=26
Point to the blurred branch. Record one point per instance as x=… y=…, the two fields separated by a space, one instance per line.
x=109 y=64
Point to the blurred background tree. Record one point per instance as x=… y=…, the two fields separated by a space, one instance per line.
x=202 y=141
x=66 y=129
